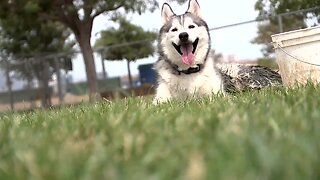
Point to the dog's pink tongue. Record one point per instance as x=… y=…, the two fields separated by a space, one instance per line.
x=187 y=56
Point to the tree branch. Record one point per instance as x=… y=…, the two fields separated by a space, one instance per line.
x=47 y=17
x=68 y=14
x=87 y=8
x=102 y=10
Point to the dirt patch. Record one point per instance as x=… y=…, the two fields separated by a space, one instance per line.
x=68 y=99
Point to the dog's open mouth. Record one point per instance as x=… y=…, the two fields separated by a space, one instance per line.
x=187 y=50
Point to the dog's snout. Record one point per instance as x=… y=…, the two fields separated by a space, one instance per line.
x=184 y=36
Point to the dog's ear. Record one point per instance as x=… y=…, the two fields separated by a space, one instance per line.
x=166 y=13
x=194 y=8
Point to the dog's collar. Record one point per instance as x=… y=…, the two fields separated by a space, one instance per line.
x=178 y=71
x=190 y=70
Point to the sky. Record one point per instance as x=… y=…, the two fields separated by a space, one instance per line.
x=229 y=41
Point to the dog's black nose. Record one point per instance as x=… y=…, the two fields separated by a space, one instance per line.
x=183 y=37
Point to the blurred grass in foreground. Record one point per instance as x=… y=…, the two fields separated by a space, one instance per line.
x=270 y=134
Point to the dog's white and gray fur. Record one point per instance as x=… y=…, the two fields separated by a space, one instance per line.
x=186 y=67
x=177 y=78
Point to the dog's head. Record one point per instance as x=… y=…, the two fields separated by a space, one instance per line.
x=184 y=39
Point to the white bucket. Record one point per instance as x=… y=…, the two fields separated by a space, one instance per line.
x=298 y=56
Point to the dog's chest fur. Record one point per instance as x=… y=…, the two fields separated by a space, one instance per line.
x=204 y=82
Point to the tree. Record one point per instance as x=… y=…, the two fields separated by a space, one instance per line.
x=126 y=32
x=78 y=15
x=289 y=22
x=27 y=44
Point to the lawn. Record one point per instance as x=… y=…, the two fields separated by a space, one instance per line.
x=267 y=134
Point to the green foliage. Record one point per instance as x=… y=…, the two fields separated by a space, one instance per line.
x=31 y=38
x=266 y=134
x=290 y=22
x=280 y=6
x=126 y=33
x=32 y=46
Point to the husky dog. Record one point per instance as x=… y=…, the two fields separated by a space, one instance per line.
x=186 y=67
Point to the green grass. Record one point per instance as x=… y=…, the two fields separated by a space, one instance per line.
x=270 y=134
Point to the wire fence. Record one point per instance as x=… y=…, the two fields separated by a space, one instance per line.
x=50 y=80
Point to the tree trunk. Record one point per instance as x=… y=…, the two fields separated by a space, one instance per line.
x=129 y=74
x=87 y=53
x=9 y=85
x=103 y=69
x=30 y=86
x=59 y=84
x=46 y=96
x=32 y=96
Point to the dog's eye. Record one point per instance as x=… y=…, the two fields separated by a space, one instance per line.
x=191 y=27
x=174 y=29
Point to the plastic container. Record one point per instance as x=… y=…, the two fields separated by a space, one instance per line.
x=298 y=56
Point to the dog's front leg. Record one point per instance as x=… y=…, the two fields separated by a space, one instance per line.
x=163 y=94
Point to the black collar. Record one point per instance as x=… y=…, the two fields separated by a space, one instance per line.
x=190 y=70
